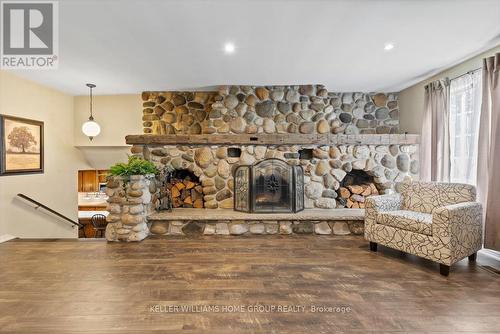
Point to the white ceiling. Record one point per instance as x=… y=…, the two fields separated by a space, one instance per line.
x=129 y=46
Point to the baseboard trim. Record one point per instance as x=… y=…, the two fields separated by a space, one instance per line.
x=491 y=253
x=6 y=237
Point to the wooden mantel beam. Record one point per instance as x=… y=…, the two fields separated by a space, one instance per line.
x=272 y=139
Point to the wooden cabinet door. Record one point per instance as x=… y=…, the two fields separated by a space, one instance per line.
x=87 y=181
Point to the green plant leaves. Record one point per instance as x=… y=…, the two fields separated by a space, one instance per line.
x=135 y=166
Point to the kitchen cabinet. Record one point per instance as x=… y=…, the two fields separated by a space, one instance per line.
x=88 y=180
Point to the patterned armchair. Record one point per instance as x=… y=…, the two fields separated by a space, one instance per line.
x=441 y=222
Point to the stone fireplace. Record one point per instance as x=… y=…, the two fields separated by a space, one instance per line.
x=343 y=146
x=269 y=186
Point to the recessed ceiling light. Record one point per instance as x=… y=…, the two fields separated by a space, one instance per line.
x=229 y=48
x=388 y=46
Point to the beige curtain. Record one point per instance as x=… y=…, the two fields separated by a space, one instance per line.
x=435 y=139
x=488 y=167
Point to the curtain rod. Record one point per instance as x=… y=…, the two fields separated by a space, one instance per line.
x=468 y=72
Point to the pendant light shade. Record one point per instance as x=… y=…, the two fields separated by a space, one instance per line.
x=90 y=128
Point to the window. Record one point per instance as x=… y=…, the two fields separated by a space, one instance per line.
x=465 y=110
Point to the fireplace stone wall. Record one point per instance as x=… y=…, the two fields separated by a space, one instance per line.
x=323 y=172
x=299 y=109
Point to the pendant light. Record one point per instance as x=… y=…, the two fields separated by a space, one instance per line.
x=90 y=128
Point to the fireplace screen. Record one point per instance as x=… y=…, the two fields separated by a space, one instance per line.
x=271 y=185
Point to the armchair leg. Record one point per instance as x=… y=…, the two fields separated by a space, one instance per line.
x=373 y=246
x=473 y=257
x=444 y=269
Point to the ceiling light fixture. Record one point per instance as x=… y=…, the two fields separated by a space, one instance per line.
x=388 y=46
x=90 y=128
x=229 y=48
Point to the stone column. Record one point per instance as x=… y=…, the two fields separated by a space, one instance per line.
x=129 y=203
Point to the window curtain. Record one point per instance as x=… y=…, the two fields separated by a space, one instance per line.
x=435 y=143
x=488 y=167
x=465 y=111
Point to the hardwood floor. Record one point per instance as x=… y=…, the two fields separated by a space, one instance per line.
x=98 y=287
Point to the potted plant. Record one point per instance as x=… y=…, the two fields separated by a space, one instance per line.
x=130 y=188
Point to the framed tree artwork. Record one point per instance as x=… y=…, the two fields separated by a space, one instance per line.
x=21 y=143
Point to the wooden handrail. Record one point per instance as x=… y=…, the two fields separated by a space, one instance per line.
x=40 y=205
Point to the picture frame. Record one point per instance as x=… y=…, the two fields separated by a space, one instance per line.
x=22 y=146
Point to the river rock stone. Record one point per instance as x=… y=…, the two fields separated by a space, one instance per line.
x=313 y=190
x=223 y=169
x=238 y=228
x=257 y=228
x=328 y=181
x=361 y=152
x=251 y=100
x=277 y=94
x=222 y=228
x=403 y=162
x=339 y=174
x=209 y=229
x=159 y=228
x=306 y=127
x=325 y=203
x=303 y=227
x=340 y=228
x=323 y=126
x=381 y=113
x=272 y=227
x=238 y=125
x=345 y=117
x=223 y=194
x=379 y=99
x=322 y=168
x=262 y=93
x=285 y=227
x=178 y=100
x=265 y=109
x=329 y=193
x=322 y=228
x=414 y=167
x=230 y=101
x=203 y=156
x=356 y=227
x=269 y=126
x=292 y=96
x=247 y=158
x=388 y=161
x=284 y=107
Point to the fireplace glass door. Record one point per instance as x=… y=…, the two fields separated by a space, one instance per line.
x=273 y=180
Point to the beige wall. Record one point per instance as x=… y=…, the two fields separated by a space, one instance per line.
x=411 y=99
x=57 y=186
x=118 y=116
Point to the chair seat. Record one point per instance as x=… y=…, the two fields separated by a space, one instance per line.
x=412 y=221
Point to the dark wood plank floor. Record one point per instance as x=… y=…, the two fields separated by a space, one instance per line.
x=99 y=287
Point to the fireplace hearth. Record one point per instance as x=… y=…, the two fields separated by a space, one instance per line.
x=269 y=186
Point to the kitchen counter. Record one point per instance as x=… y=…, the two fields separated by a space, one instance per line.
x=92 y=201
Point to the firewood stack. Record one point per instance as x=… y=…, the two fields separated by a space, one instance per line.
x=186 y=193
x=353 y=196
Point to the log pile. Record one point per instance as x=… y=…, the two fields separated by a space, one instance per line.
x=186 y=193
x=353 y=196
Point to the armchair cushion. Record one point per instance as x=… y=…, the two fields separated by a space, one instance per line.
x=413 y=221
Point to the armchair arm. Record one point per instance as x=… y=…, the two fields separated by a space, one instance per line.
x=459 y=228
